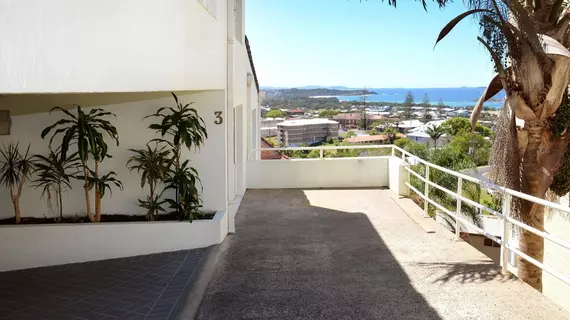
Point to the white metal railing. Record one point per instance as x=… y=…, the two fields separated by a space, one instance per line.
x=507 y=195
x=323 y=148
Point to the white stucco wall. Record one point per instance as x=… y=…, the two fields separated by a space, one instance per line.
x=133 y=132
x=111 y=46
x=557 y=224
x=318 y=173
x=33 y=246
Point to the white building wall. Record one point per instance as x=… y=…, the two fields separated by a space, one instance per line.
x=111 y=46
x=557 y=224
x=133 y=133
x=318 y=173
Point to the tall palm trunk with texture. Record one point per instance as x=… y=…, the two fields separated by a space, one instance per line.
x=97 y=194
x=86 y=190
x=16 y=203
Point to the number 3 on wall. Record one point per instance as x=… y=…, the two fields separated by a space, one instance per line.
x=219 y=119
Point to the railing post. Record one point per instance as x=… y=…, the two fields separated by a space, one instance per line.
x=321 y=153
x=403 y=155
x=458 y=209
x=505 y=252
x=426 y=193
x=393 y=151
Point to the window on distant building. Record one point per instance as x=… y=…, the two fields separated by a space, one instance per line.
x=210 y=5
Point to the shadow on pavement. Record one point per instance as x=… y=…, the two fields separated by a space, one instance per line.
x=472 y=272
x=291 y=260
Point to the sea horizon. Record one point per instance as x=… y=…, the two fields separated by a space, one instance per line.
x=453 y=96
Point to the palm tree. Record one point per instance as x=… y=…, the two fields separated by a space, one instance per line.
x=434 y=132
x=528 y=43
x=86 y=131
x=153 y=165
x=391 y=133
x=53 y=175
x=15 y=170
x=184 y=127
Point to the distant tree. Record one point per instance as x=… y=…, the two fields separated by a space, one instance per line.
x=435 y=132
x=392 y=134
x=440 y=106
x=407 y=106
x=454 y=126
x=275 y=113
x=474 y=145
x=427 y=105
x=329 y=113
x=350 y=134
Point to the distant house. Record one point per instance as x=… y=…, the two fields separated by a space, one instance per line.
x=407 y=125
x=459 y=113
x=352 y=120
x=295 y=112
x=375 y=139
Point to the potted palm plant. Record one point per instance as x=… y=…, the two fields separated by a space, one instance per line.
x=153 y=164
x=179 y=127
x=54 y=175
x=15 y=170
x=87 y=131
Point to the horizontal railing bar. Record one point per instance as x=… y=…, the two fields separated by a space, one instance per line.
x=453 y=215
x=415 y=174
x=368 y=146
x=545 y=235
x=517 y=194
x=539 y=264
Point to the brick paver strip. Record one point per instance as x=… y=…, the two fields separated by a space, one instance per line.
x=140 y=287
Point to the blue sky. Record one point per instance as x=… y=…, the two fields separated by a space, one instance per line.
x=363 y=44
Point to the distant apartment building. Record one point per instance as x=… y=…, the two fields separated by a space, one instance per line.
x=352 y=120
x=309 y=131
x=268 y=127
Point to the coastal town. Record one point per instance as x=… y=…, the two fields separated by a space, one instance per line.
x=358 y=123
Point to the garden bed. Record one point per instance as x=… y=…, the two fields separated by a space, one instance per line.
x=104 y=218
x=37 y=245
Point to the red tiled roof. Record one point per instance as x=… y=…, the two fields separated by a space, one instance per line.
x=270 y=155
x=380 y=137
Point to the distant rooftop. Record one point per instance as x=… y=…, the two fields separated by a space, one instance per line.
x=301 y=122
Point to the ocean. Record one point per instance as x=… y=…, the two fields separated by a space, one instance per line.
x=455 y=97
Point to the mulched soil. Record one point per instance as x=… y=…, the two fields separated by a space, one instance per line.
x=104 y=218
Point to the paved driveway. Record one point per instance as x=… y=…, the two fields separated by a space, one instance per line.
x=353 y=254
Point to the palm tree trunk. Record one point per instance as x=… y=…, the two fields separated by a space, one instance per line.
x=60 y=200
x=97 y=194
x=533 y=245
x=153 y=212
x=87 y=198
x=542 y=157
x=16 y=204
